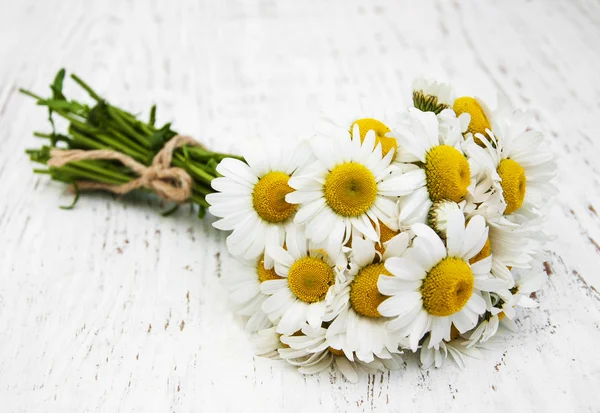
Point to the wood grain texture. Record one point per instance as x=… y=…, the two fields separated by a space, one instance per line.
x=111 y=307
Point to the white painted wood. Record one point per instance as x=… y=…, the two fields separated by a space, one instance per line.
x=111 y=307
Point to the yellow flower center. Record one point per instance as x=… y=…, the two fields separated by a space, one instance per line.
x=268 y=197
x=501 y=315
x=514 y=184
x=447 y=287
x=264 y=274
x=367 y=124
x=350 y=189
x=479 y=122
x=485 y=252
x=448 y=174
x=310 y=278
x=364 y=294
x=335 y=352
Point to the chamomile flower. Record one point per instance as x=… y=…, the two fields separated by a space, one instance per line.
x=439 y=214
x=520 y=164
x=306 y=287
x=527 y=282
x=501 y=305
x=358 y=327
x=501 y=248
x=432 y=96
x=250 y=200
x=243 y=282
x=477 y=113
x=440 y=171
x=507 y=248
x=434 y=285
x=311 y=352
x=346 y=191
x=339 y=124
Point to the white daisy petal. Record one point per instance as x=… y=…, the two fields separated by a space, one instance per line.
x=404 y=269
x=238 y=171
x=455 y=232
x=403 y=184
x=293 y=318
x=476 y=303
x=346 y=369
x=363 y=251
x=397 y=305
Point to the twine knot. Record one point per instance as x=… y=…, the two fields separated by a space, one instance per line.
x=169 y=182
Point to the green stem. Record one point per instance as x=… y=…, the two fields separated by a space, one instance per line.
x=88 y=89
x=93 y=167
x=193 y=169
x=102 y=126
x=127 y=129
x=88 y=142
x=77 y=172
x=30 y=94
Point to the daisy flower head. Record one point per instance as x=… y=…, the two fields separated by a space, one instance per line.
x=358 y=327
x=340 y=123
x=520 y=163
x=306 y=287
x=312 y=353
x=434 y=285
x=243 y=283
x=476 y=113
x=439 y=214
x=346 y=191
x=508 y=244
x=432 y=96
x=501 y=305
x=435 y=168
x=526 y=282
x=250 y=199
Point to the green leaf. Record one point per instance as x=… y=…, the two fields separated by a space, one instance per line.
x=57 y=86
x=57 y=94
x=62 y=105
x=86 y=87
x=161 y=136
x=152 y=115
x=76 y=188
x=98 y=114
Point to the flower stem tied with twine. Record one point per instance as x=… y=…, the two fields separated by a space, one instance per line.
x=107 y=148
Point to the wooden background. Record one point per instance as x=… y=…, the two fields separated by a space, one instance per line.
x=111 y=307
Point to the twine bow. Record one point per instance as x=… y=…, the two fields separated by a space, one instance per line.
x=169 y=182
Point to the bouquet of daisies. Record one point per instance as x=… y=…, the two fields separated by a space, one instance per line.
x=419 y=232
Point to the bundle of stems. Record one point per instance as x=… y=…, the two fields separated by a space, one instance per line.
x=104 y=126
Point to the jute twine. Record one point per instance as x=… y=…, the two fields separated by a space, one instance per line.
x=169 y=182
